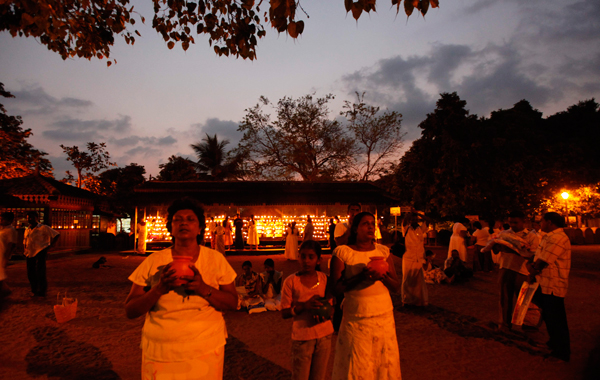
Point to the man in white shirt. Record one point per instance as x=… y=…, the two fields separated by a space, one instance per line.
x=513 y=271
x=342 y=230
x=551 y=266
x=8 y=242
x=414 y=289
x=38 y=240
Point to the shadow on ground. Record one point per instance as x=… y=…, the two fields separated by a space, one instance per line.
x=471 y=327
x=243 y=364
x=58 y=356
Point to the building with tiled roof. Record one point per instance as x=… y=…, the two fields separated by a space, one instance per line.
x=65 y=208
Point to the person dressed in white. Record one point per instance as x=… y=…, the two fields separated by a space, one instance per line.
x=8 y=242
x=253 y=239
x=414 y=289
x=367 y=346
x=342 y=230
x=38 y=240
x=291 y=242
x=142 y=234
x=184 y=332
x=457 y=240
x=309 y=230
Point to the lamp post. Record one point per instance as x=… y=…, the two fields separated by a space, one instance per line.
x=565 y=196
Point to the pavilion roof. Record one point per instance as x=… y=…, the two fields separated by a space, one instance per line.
x=40 y=189
x=262 y=192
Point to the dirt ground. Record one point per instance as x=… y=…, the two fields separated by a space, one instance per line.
x=452 y=339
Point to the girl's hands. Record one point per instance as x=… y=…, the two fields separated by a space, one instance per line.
x=373 y=275
x=167 y=279
x=196 y=284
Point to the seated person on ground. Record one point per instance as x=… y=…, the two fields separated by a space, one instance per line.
x=271 y=286
x=249 y=287
x=433 y=273
x=455 y=268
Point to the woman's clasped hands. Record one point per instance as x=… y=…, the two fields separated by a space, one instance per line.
x=194 y=284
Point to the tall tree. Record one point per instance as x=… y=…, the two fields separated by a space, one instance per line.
x=88 y=162
x=515 y=159
x=432 y=172
x=378 y=136
x=301 y=141
x=18 y=157
x=215 y=160
x=178 y=169
x=232 y=26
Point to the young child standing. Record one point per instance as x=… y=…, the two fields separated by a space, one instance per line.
x=311 y=335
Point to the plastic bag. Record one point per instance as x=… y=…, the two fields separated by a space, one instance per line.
x=525 y=296
x=67 y=310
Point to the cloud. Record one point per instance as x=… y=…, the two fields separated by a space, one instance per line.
x=224 y=129
x=70 y=129
x=34 y=100
x=134 y=140
x=141 y=151
x=551 y=58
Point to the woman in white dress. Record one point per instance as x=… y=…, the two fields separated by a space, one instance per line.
x=220 y=238
x=253 y=239
x=457 y=240
x=184 y=332
x=228 y=237
x=291 y=242
x=367 y=347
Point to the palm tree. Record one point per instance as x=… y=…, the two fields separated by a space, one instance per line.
x=214 y=159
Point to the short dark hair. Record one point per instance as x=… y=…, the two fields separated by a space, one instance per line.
x=355 y=204
x=554 y=218
x=33 y=214
x=428 y=253
x=477 y=225
x=269 y=263
x=247 y=262
x=9 y=216
x=312 y=245
x=187 y=204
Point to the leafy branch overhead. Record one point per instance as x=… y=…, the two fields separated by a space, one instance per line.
x=87 y=28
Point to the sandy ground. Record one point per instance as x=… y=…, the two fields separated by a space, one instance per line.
x=453 y=339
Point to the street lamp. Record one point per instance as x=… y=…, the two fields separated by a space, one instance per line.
x=565 y=196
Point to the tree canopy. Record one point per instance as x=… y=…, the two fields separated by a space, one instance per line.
x=88 y=28
x=214 y=161
x=17 y=156
x=515 y=159
x=178 y=169
x=378 y=137
x=95 y=159
x=301 y=140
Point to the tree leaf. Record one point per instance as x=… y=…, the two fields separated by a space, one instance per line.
x=424 y=7
x=299 y=26
x=434 y=3
x=356 y=10
x=348 y=5
x=171 y=45
x=408 y=7
x=291 y=29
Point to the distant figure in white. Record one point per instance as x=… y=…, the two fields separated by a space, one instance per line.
x=142 y=234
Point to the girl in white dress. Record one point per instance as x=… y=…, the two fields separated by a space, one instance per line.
x=253 y=239
x=291 y=242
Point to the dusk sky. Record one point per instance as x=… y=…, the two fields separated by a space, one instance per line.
x=155 y=102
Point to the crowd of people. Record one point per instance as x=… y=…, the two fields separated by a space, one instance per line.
x=523 y=256
x=184 y=332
